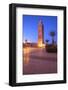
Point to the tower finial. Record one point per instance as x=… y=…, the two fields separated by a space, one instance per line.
x=40 y=22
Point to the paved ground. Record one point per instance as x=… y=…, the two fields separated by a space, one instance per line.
x=38 y=61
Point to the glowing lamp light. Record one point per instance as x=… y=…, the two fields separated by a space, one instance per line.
x=41 y=45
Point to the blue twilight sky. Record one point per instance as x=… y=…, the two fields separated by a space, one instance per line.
x=30 y=27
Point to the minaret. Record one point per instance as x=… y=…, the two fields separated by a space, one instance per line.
x=40 y=34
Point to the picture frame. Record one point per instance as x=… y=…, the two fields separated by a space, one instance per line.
x=29 y=11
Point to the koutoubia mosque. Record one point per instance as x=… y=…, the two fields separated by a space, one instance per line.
x=41 y=34
x=40 y=43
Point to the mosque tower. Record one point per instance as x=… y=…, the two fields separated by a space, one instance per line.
x=40 y=34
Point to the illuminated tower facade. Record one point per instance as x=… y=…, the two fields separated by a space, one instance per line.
x=40 y=34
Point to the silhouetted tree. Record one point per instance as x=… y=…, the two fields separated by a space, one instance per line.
x=25 y=41
x=52 y=34
x=47 y=41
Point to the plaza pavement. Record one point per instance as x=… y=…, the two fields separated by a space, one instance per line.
x=38 y=61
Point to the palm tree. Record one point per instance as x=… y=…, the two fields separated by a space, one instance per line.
x=52 y=34
x=26 y=41
x=47 y=41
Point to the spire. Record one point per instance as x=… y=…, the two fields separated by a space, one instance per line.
x=40 y=22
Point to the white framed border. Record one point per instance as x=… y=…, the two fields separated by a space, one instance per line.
x=20 y=78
